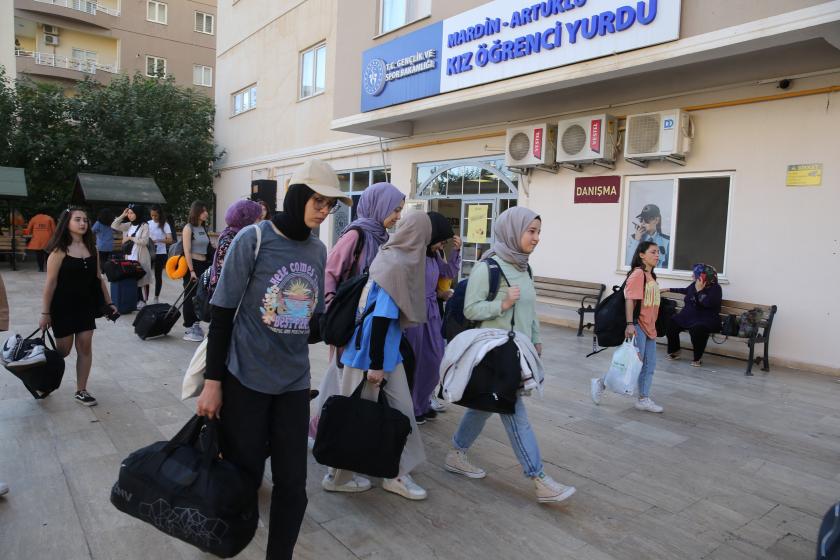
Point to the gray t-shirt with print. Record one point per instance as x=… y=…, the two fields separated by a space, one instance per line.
x=268 y=348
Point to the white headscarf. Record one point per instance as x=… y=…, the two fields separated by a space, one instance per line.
x=509 y=227
x=400 y=267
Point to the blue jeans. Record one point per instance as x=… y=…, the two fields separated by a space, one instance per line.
x=647 y=352
x=519 y=431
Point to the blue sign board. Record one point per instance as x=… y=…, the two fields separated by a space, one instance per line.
x=402 y=70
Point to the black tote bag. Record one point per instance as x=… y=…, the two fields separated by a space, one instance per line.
x=43 y=378
x=184 y=489
x=362 y=436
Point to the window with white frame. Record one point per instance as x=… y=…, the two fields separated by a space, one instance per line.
x=313 y=71
x=686 y=215
x=156 y=11
x=394 y=14
x=204 y=23
x=245 y=100
x=155 y=67
x=83 y=59
x=354 y=183
x=202 y=75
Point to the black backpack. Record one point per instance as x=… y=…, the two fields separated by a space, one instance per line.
x=339 y=322
x=454 y=322
x=610 y=320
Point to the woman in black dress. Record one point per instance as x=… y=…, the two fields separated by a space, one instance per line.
x=72 y=293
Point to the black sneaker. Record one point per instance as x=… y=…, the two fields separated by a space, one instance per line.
x=84 y=398
x=430 y=415
x=420 y=419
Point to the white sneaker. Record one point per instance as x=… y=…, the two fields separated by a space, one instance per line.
x=355 y=484
x=31 y=357
x=140 y=304
x=405 y=487
x=198 y=330
x=596 y=390
x=648 y=405
x=157 y=300
x=192 y=336
x=457 y=462
x=437 y=406
x=9 y=347
x=4 y=488
x=549 y=490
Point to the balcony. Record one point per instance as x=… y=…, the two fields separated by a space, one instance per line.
x=87 y=11
x=62 y=67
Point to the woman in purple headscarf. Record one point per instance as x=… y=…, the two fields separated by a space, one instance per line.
x=379 y=208
x=240 y=214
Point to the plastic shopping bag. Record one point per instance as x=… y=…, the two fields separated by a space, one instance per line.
x=193 y=381
x=623 y=375
x=330 y=385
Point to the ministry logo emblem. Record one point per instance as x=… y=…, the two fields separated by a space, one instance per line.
x=374 y=77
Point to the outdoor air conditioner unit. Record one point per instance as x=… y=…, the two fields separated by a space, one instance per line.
x=530 y=146
x=51 y=40
x=50 y=29
x=592 y=139
x=660 y=135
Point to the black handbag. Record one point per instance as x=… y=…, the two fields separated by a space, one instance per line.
x=184 y=489
x=42 y=378
x=730 y=325
x=667 y=309
x=339 y=321
x=120 y=269
x=360 y=435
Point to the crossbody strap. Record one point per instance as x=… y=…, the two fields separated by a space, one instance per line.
x=512 y=309
x=258 y=232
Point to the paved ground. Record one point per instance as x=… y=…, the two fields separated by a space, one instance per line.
x=735 y=468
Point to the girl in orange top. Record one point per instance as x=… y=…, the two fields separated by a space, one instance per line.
x=641 y=289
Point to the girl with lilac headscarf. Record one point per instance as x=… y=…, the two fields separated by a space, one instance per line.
x=240 y=214
x=379 y=208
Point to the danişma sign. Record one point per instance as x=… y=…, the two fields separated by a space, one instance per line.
x=508 y=38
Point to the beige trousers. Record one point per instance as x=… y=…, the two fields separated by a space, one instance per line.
x=399 y=397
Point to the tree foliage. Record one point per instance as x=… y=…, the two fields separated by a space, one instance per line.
x=135 y=126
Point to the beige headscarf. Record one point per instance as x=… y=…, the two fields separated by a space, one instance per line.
x=509 y=228
x=400 y=267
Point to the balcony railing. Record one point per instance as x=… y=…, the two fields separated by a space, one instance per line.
x=86 y=66
x=87 y=6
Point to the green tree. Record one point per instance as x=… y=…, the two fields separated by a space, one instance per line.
x=149 y=127
x=135 y=126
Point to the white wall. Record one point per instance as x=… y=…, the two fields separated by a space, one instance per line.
x=7 y=39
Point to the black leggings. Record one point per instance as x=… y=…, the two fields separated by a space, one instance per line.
x=253 y=421
x=159 y=264
x=699 y=338
x=189 y=309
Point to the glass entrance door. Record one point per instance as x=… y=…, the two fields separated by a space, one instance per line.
x=477 y=218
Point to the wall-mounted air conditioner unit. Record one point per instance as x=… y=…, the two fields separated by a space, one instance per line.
x=530 y=146
x=592 y=139
x=51 y=29
x=660 y=135
x=51 y=40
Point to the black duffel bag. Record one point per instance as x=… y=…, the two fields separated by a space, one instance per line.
x=40 y=377
x=362 y=436
x=184 y=489
x=122 y=269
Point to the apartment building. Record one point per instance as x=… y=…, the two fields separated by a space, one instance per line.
x=715 y=119
x=64 y=41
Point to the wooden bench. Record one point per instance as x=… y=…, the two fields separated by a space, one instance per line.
x=583 y=297
x=761 y=336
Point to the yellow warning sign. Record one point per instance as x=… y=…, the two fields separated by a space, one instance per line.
x=477 y=223
x=804 y=175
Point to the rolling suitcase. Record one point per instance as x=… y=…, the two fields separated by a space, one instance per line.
x=124 y=295
x=158 y=319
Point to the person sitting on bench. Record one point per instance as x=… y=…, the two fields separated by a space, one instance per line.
x=701 y=314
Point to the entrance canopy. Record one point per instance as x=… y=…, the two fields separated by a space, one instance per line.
x=12 y=182
x=92 y=188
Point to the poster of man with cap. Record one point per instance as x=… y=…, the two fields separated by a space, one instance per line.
x=646 y=221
